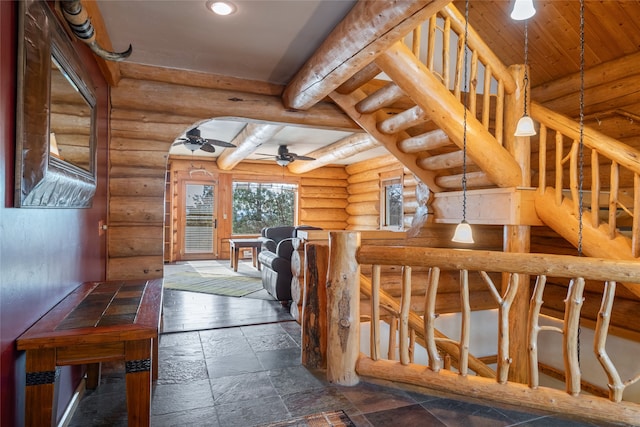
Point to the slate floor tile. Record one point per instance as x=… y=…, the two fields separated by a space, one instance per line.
x=169 y=398
x=242 y=387
x=249 y=413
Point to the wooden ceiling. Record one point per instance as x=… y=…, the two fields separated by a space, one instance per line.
x=612 y=30
x=612 y=57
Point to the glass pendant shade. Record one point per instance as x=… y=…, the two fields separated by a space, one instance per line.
x=463 y=233
x=523 y=9
x=525 y=127
x=193 y=146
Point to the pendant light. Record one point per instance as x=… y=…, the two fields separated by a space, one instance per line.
x=525 y=124
x=523 y=9
x=463 y=233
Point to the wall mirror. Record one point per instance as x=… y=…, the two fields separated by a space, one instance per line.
x=55 y=116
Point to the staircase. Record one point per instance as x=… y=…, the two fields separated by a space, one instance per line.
x=412 y=99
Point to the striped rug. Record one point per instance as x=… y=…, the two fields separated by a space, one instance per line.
x=232 y=286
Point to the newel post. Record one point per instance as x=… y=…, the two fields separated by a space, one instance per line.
x=343 y=308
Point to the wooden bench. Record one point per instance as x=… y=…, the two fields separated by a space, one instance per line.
x=98 y=322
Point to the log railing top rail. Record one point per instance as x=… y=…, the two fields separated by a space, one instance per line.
x=611 y=148
x=565 y=266
x=475 y=42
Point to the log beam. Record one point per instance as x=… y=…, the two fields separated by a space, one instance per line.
x=367 y=31
x=203 y=103
x=346 y=147
x=247 y=141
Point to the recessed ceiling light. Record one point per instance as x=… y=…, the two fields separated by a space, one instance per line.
x=221 y=7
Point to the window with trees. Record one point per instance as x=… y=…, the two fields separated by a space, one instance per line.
x=263 y=204
x=391 y=212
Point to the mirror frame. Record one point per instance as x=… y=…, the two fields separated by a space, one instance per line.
x=42 y=180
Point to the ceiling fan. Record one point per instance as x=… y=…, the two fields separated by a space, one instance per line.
x=284 y=156
x=193 y=141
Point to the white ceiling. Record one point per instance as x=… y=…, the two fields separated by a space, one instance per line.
x=264 y=40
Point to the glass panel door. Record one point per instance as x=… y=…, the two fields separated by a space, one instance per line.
x=199 y=220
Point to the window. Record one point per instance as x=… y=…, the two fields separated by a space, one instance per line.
x=391 y=214
x=262 y=204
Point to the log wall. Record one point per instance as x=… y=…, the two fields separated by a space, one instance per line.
x=364 y=189
x=144 y=123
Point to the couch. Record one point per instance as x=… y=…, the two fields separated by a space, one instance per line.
x=275 y=259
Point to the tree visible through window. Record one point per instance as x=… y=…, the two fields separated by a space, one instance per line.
x=258 y=204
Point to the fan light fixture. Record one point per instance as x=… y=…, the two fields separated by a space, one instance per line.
x=463 y=232
x=283 y=162
x=222 y=8
x=192 y=146
x=523 y=9
x=525 y=124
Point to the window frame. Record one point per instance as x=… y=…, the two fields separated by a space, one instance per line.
x=395 y=177
x=253 y=180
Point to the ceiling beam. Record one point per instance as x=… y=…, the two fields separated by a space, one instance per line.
x=197 y=79
x=247 y=141
x=205 y=104
x=369 y=29
x=342 y=149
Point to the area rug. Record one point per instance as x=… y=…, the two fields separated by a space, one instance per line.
x=231 y=286
x=323 y=419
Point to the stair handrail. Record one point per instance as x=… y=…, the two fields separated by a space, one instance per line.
x=605 y=151
x=343 y=283
x=497 y=80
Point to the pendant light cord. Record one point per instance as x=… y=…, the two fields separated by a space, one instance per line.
x=581 y=142
x=464 y=121
x=526 y=62
x=581 y=150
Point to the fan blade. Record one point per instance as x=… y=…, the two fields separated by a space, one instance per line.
x=178 y=142
x=298 y=157
x=208 y=148
x=218 y=143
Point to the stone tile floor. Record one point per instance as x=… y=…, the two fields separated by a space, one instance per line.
x=243 y=376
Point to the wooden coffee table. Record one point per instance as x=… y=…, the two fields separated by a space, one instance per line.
x=234 y=250
x=98 y=322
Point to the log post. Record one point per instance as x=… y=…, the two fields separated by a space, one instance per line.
x=518 y=237
x=343 y=308
x=314 y=306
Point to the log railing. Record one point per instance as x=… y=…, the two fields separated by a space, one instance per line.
x=488 y=79
x=610 y=174
x=343 y=327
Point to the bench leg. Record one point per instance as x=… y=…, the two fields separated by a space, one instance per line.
x=41 y=394
x=93 y=375
x=138 y=365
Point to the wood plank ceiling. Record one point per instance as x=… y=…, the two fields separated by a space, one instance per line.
x=612 y=53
